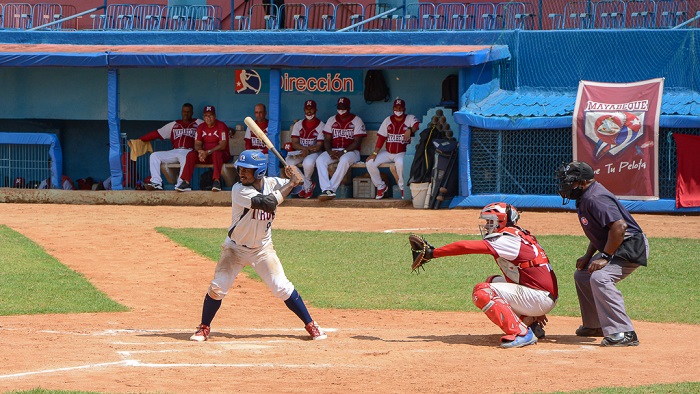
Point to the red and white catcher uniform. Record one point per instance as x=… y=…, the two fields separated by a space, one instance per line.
x=528 y=287
x=392 y=132
x=182 y=135
x=343 y=133
x=253 y=142
x=308 y=133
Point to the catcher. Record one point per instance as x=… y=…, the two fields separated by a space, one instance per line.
x=518 y=301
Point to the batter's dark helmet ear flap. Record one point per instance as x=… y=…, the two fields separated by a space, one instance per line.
x=254 y=159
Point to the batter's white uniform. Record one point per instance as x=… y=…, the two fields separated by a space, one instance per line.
x=308 y=136
x=391 y=131
x=182 y=136
x=250 y=243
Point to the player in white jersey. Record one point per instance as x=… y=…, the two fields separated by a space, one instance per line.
x=343 y=136
x=254 y=203
x=182 y=133
x=396 y=131
x=307 y=139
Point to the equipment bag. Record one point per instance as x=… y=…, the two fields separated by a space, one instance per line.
x=375 y=86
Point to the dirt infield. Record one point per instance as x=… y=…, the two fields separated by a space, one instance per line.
x=259 y=346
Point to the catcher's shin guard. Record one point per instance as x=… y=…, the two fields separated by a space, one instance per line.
x=497 y=310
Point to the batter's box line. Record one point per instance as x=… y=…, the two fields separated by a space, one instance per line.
x=139 y=364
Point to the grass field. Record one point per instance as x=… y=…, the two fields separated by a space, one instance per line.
x=372 y=271
x=33 y=282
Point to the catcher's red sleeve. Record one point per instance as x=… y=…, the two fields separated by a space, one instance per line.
x=465 y=247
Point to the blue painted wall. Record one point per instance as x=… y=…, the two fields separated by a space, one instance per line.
x=73 y=102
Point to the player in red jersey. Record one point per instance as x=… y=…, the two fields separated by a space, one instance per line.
x=251 y=141
x=528 y=289
x=210 y=147
x=396 y=131
x=182 y=133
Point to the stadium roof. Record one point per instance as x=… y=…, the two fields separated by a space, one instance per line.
x=488 y=100
x=278 y=56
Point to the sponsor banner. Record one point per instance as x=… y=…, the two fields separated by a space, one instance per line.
x=319 y=81
x=616 y=130
x=348 y=82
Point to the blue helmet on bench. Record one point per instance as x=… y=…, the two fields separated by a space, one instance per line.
x=254 y=159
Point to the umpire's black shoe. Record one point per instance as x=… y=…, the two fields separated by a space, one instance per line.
x=216 y=186
x=628 y=338
x=582 y=331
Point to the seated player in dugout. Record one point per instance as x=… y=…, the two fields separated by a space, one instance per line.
x=307 y=140
x=518 y=301
x=251 y=141
x=210 y=147
x=343 y=134
x=396 y=130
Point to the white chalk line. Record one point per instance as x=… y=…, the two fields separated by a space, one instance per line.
x=442 y=229
x=137 y=363
x=114 y=332
x=44 y=371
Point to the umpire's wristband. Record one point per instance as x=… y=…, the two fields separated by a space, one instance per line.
x=606 y=256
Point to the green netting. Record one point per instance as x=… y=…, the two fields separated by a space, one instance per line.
x=523 y=161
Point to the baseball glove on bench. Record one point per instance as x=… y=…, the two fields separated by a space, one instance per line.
x=421 y=250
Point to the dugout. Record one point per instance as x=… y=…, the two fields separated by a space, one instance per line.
x=509 y=81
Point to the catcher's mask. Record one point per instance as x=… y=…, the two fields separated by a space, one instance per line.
x=498 y=215
x=254 y=159
x=571 y=179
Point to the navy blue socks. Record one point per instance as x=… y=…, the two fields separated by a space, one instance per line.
x=296 y=305
x=211 y=306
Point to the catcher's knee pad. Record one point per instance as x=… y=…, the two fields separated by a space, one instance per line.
x=497 y=309
x=216 y=292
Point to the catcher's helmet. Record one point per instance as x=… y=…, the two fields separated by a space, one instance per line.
x=254 y=159
x=570 y=174
x=498 y=215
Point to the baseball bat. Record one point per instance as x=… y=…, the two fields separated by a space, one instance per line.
x=259 y=133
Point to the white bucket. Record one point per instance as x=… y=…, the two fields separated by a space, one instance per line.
x=419 y=191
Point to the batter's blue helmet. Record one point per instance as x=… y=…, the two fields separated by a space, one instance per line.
x=254 y=159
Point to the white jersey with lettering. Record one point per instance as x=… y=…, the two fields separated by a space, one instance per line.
x=181 y=133
x=393 y=130
x=309 y=132
x=252 y=227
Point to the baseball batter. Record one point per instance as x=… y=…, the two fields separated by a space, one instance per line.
x=307 y=138
x=528 y=289
x=342 y=139
x=617 y=247
x=254 y=203
x=251 y=141
x=182 y=133
x=396 y=130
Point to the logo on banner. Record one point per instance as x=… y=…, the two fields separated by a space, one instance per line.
x=613 y=132
x=248 y=82
x=615 y=129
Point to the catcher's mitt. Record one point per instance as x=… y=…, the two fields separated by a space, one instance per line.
x=421 y=250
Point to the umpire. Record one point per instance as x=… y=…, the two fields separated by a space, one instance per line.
x=617 y=246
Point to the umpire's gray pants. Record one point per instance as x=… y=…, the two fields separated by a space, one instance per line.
x=601 y=302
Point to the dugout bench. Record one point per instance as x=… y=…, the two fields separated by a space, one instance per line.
x=236 y=144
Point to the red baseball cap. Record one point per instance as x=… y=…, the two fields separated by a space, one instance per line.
x=310 y=104
x=210 y=108
x=399 y=103
x=343 y=103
